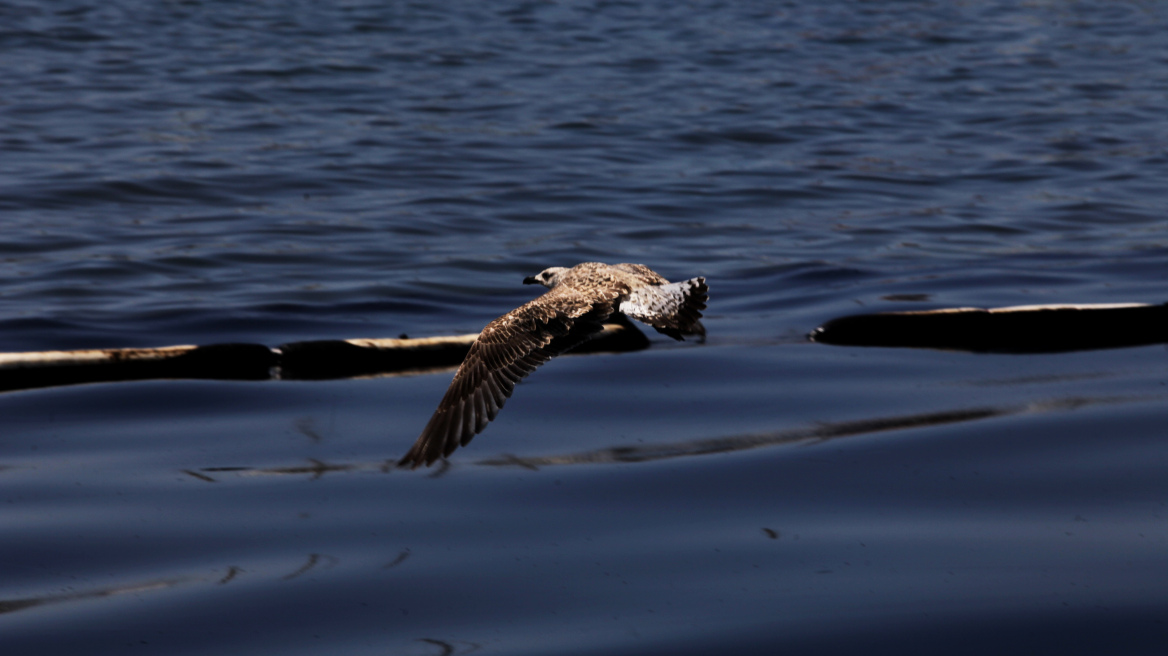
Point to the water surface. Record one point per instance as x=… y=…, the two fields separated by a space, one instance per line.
x=207 y=172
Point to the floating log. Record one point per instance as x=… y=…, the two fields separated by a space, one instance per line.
x=325 y=359
x=347 y=358
x=215 y=361
x=312 y=360
x=1017 y=329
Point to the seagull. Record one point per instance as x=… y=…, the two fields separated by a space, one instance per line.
x=570 y=313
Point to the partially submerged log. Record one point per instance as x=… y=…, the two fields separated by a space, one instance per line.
x=325 y=359
x=215 y=361
x=346 y=358
x=1017 y=329
x=312 y=360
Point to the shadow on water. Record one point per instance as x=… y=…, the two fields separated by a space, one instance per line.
x=823 y=432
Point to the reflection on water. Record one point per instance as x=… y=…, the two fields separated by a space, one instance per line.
x=314 y=469
x=828 y=431
x=821 y=432
x=451 y=647
x=314 y=560
x=785 y=525
x=401 y=558
x=13 y=605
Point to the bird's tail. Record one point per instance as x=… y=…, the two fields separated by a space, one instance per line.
x=674 y=308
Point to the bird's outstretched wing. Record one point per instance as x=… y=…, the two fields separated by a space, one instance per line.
x=673 y=308
x=506 y=351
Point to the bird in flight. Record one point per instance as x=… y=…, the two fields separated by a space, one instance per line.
x=570 y=313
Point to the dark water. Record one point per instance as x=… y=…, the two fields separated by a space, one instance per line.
x=201 y=172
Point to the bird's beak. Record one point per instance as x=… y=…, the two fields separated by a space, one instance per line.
x=530 y=280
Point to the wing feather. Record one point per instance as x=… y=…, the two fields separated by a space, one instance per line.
x=506 y=351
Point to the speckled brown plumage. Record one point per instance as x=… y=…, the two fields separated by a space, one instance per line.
x=509 y=348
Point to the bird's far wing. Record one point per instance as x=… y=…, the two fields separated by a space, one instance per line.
x=673 y=309
x=641 y=271
x=506 y=351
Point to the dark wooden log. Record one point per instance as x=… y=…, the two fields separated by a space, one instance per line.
x=325 y=359
x=215 y=361
x=313 y=360
x=1021 y=329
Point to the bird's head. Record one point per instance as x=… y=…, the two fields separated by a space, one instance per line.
x=548 y=277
